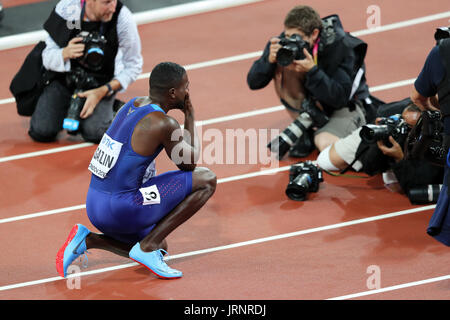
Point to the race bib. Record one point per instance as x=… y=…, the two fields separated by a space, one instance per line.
x=105 y=157
x=150 y=195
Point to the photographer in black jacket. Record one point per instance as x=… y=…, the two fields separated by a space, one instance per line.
x=330 y=72
x=88 y=68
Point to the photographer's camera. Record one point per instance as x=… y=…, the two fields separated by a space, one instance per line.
x=393 y=126
x=94 y=53
x=425 y=194
x=291 y=49
x=81 y=78
x=304 y=177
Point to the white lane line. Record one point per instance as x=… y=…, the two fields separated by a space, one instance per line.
x=43 y=213
x=392 y=85
x=8 y=100
x=47 y=151
x=176 y=11
x=402 y=24
x=392 y=288
x=236 y=116
x=231 y=246
x=83 y=206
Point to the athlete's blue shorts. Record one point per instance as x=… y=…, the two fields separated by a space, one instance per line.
x=123 y=216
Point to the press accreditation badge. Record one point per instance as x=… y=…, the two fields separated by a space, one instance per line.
x=150 y=195
x=105 y=157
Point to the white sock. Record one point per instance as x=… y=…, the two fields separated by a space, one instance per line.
x=323 y=160
x=389 y=177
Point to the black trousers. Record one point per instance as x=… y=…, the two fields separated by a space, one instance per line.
x=51 y=109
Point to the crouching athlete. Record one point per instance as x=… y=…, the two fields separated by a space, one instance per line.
x=134 y=208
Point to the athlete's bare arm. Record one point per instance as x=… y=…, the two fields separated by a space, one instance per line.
x=158 y=129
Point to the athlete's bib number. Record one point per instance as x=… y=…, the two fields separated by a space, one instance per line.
x=105 y=157
x=150 y=195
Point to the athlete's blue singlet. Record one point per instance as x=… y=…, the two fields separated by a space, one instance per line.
x=126 y=199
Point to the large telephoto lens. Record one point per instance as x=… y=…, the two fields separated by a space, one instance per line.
x=299 y=187
x=425 y=194
x=290 y=135
x=371 y=133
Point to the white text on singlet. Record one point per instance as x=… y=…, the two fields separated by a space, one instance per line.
x=105 y=157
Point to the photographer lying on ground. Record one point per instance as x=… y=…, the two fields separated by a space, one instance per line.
x=85 y=38
x=315 y=62
x=380 y=148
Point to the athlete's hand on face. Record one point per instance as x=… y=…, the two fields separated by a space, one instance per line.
x=188 y=108
x=74 y=49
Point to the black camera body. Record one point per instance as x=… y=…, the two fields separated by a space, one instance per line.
x=310 y=116
x=291 y=49
x=304 y=177
x=442 y=33
x=80 y=77
x=426 y=139
x=393 y=126
x=93 y=55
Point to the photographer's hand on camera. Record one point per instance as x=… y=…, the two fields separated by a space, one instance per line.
x=273 y=49
x=74 y=49
x=304 y=65
x=395 y=151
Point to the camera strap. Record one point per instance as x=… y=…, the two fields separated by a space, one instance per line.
x=315 y=51
x=357 y=156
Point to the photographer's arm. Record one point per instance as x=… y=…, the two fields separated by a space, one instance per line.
x=425 y=87
x=94 y=96
x=55 y=58
x=129 y=64
x=424 y=103
x=395 y=152
x=262 y=70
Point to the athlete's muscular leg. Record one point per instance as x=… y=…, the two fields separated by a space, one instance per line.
x=203 y=186
x=104 y=242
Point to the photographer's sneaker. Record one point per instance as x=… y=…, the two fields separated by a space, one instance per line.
x=74 y=246
x=154 y=262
